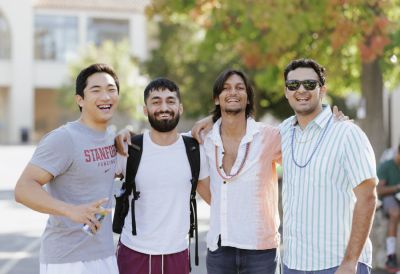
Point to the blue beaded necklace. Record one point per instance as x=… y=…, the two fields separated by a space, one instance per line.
x=315 y=148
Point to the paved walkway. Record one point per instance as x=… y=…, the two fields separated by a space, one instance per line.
x=21 y=227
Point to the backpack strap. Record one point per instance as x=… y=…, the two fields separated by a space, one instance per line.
x=132 y=165
x=193 y=154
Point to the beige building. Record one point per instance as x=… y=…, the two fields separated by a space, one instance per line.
x=393 y=117
x=37 y=38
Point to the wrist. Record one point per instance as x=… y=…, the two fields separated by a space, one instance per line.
x=349 y=264
x=65 y=210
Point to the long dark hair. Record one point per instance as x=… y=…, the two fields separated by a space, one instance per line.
x=219 y=86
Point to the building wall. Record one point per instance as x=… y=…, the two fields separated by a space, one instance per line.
x=395 y=118
x=28 y=83
x=20 y=98
x=3 y=113
x=49 y=114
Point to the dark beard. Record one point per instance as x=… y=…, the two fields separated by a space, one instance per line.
x=233 y=111
x=163 y=125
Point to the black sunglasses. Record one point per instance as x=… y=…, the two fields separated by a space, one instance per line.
x=307 y=84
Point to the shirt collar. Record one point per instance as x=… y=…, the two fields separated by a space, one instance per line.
x=252 y=128
x=321 y=119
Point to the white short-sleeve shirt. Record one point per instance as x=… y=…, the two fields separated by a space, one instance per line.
x=162 y=211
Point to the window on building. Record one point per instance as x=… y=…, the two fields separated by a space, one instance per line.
x=5 y=38
x=100 y=30
x=56 y=37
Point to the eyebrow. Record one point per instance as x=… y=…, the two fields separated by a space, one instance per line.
x=98 y=86
x=234 y=84
x=159 y=97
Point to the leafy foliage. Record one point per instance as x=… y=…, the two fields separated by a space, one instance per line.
x=198 y=39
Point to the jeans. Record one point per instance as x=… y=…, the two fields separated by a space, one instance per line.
x=361 y=269
x=231 y=260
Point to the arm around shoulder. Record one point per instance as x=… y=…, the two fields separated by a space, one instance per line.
x=201 y=128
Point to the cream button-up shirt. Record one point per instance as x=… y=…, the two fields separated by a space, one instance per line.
x=244 y=209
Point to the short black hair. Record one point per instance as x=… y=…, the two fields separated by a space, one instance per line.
x=219 y=87
x=81 y=79
x=161 y=84
x=306 y=63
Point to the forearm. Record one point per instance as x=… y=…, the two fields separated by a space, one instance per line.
x=388 y=190
x=203 y=188
x=361 y=226
x=32 y=195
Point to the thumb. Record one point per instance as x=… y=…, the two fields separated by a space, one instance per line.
x=202 y=133
x=335 y=110
x=128 y=140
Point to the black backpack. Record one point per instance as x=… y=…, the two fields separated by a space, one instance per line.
x=132 y=165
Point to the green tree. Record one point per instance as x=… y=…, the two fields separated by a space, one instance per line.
x=127 y=68
x=355 y=39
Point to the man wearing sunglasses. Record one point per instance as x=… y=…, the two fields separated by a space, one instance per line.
x=329 y=181
x=329 y=177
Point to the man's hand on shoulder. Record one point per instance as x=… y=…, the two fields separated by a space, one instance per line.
x=123 y=137
x=339 y=116
x=201 y=128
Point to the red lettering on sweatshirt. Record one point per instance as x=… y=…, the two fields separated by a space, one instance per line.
x=87 y=155
x=99 y=153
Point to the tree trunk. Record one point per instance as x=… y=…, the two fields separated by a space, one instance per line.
x=372 y=92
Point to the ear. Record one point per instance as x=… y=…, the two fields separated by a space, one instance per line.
x=322 y=91
x=146 y=113
x=79 y=100
x=180 y=109
x=286 y=93
x=216 y=101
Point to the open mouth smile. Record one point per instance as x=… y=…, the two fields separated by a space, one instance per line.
x=105 y=107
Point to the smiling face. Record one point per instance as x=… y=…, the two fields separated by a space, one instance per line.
x=233 y=97
x=100 y=99
x=305 y=102
x=163 y=109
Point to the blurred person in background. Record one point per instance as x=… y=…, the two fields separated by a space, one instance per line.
x=388 y=187
x=76 y=162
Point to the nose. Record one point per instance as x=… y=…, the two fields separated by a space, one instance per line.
x=301 y=88
x=233 y=90
x=164 y=106
x=105 y=95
